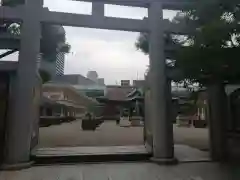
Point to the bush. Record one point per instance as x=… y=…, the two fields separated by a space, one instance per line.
x=91 y=124
x=49 y=121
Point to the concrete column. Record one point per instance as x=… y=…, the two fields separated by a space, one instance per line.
x=21 y=120
x=217 y=121
x=163 y=150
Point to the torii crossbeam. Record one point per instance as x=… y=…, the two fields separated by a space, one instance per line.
x=32 y=14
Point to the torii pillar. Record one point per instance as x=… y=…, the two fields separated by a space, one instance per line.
x=20 y=123
x=163 y=148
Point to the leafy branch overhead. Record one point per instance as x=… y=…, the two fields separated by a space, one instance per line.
x=53 y=36
x=12 y=2
x=210 y=50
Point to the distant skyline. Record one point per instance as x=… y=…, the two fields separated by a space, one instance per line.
x=111 y=53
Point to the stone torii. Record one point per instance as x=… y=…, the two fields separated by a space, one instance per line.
x=32 y=14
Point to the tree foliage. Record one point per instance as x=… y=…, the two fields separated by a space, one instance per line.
x=12 y=2
x=209 y=51
x=53 y=40
x=45 y=76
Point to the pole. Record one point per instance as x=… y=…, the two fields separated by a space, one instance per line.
x=163 y=150
x=22 y=116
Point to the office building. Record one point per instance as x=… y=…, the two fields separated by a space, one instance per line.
x=60 y=63
x=82 y=84
x=54 y=63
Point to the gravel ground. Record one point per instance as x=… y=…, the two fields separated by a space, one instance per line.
x=108 y=134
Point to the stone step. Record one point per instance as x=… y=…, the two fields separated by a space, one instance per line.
x=46 y=156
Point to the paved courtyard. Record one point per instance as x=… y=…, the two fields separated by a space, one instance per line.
x=108 y=134
x=125 y=171
x=70 y=134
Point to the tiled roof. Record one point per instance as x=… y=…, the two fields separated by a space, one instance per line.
x=118 y=92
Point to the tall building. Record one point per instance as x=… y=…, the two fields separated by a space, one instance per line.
x=93 y=75
x=82 y=84
x=54 y=63
x=125 y=82
x=55 y=66
x=101 y=81
x=60 y=63
x=60 y=56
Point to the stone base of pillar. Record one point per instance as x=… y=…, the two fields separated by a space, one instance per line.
x=164 y=161
x=19 y=166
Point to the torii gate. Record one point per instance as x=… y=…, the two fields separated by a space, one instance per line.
x=32 y=14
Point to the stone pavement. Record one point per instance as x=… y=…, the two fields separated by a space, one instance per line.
x=182 y=152
x=108 y=134
x=98 y=150
x=125 y=171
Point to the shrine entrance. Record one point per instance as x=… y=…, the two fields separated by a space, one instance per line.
x=82 y=135
x=22 y=131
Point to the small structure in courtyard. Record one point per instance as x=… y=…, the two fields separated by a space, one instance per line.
x=130 y=106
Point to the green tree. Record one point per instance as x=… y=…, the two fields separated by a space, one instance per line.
x=209 y=52
x=208 y=55
x=12 y=2
x=52 y=41
x=45 y=76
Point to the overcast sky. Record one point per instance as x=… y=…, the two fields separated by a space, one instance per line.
x=111 y=53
